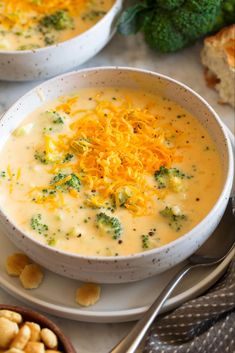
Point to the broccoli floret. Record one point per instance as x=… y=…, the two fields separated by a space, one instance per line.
x=59 y=20
x=41 y=157
x=163 y=176
x=72 y=183
x=58 y=177
x=58 y=120
x=109 y=225
x=226 y=15
x=228 y=11
x=149 y=242
x=160 y=176
x=123 y=195
x=171 y=25
x=81 y=145
x=92 y=15
x=174 y=216
x=161 y=34
x=37 y=225
x=68 y=157
x=49 y=38
x=196 y=18
x=46 y=158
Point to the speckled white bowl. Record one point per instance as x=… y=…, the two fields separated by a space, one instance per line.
x=49 y=61
x=142 y=265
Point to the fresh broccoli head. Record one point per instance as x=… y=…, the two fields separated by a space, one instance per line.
x=145 y=241
x=169 y=31
x=226 y=15
x=37 y=225
x=59 y=20
x=169 y=4
x=47 y=157
x=161 y=34
x=169 y=25
x=109 y=225
x=68 y=157
x=122 y=196
x=74 y=182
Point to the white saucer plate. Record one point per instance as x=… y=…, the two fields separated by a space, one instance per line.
x=119 y=302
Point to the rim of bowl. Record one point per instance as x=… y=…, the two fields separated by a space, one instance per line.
x=227 y=179
x=44 y=321
x=56 y=45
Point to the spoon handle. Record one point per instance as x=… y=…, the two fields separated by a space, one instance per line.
x=130 y=343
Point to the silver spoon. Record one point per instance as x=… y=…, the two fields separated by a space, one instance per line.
x=131 y=342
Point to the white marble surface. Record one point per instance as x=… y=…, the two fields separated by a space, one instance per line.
x=184 y=66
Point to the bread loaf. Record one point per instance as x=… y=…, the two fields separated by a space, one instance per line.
x=218 y=56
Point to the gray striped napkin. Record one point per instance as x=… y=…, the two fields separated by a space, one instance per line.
x=202 y=325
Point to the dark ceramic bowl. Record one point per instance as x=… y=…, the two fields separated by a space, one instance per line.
x=64 y=345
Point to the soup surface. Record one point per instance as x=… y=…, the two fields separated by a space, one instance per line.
x=109 y=172
x=31 y=24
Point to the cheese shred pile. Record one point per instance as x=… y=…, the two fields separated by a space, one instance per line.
x=23 y=12
x=118 y=149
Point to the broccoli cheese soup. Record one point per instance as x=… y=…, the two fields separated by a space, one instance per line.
x=32 y=24
x=109 y=172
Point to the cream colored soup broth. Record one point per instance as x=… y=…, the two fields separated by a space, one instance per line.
x=109 y=172
x=31 y=24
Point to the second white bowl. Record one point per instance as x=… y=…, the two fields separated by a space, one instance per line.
x=49 y=61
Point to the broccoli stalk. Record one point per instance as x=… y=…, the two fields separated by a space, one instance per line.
x=109 y=225
x=169 y=25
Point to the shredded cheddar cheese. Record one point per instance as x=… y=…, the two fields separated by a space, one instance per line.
x=117 y=146
x=18 y=175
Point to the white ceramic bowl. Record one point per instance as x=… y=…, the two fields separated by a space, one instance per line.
x=49 y=61
x=138 y=266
